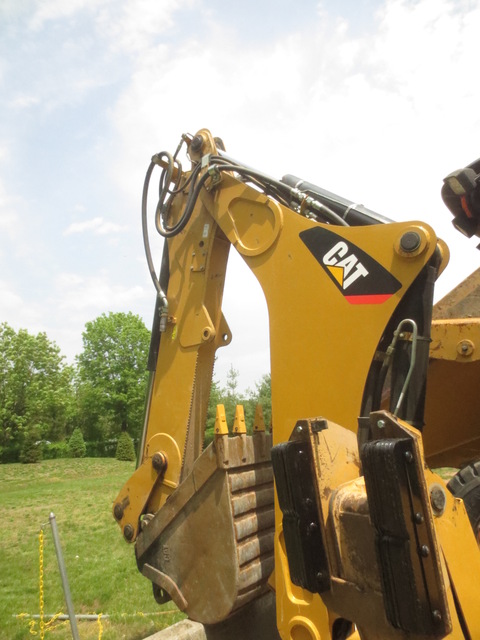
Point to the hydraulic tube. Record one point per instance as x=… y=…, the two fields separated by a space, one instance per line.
x=353 y=214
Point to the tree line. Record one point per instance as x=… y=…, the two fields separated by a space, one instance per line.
x=44 y=400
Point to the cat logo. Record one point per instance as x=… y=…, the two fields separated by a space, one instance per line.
x=360 y=278
x=341 y=270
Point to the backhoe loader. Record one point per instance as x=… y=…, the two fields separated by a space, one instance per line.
x=336 y=512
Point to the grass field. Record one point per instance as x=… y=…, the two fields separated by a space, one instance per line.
x=101 y=567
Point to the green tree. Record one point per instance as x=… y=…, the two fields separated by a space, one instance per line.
x=262 y=394
x=231 y=395
x=32 y=447
x=76 y=445
x=112 y=375
x=125 y=449
x=35 y=387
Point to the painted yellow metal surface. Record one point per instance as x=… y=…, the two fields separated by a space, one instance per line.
x=451 y=435
x=463 y=562
x=313 y=331
x=322 y=343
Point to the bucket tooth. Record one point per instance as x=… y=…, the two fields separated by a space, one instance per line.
x=221 y=435
x=221 y=427
x=239 y=421
x=258 y=421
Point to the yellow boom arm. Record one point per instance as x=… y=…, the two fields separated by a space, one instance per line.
x=349 y=316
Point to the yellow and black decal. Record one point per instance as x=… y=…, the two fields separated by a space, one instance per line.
x=360 y=278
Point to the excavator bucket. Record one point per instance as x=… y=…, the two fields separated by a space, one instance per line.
x=453 y=376
x=210 y=548
x=461 y=302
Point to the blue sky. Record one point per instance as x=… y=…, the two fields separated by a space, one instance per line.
x=374 y=100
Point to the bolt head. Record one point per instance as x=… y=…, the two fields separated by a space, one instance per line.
x=424 y=551
x=419 y=519
x=465 y=347
x=312 y=527
x=128 y=532
x=437 y=616
x=118 y=511
x=410 y=241
x=438 y=499
x=159 y=461
x=408 y=456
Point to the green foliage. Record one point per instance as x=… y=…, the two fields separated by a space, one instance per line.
x=112 y=376
x=231 y=395
x=35 y=388
x=125 y=449
x=32 y=447
x=43 y=400
x=263 y=395
x=76 y=444
x=10 y=453
x=216 y=397
x=101 y=448
x=55 y=450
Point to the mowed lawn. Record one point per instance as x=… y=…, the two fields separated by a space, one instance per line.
x=101 y=567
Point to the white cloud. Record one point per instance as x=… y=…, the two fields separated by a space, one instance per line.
x=11 y=302
x=24 y=101
x=98 y=226
x=131 y=25
x=69 y=280
x=19 y=310
x=11 y=224
x=137 y=24
x=8 y=220
x=95 y=294
x=48 y=10
x=11 y=9
x=367 y=114
x=380 y=117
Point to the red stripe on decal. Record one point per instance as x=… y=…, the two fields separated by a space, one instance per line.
x=373 y=299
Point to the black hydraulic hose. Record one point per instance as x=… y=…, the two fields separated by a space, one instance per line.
x=315 y=205
x=167 y=173
x=163 y=207
x=277 y=189
x=353 y=214
x=181 y=188
x=146 y=242
x=287 y=192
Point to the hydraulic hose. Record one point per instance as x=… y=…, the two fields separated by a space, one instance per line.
x=146 y=243
x=288 y=194
x=353 y=214
x=279 y=189
x=163 y=205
